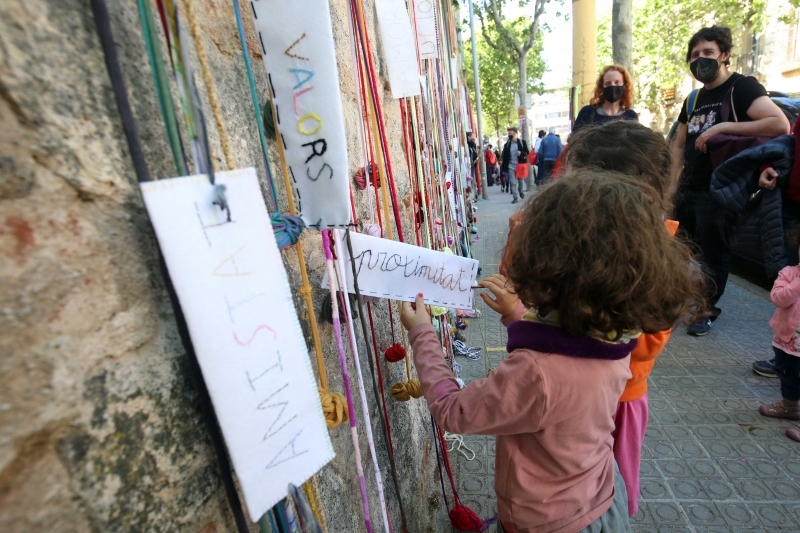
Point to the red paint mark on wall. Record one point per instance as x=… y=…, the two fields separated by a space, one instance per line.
x=23 y=235
x=259 y=328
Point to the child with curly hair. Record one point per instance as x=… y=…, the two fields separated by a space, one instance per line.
x=786 y=343
x=595 y=265
x=638 y=151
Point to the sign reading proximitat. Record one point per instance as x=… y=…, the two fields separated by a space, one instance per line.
x=398 y=271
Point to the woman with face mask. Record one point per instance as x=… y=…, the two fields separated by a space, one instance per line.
x=612 y=99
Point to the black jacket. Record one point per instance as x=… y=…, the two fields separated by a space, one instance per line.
x=523 y=156
x=735 y=181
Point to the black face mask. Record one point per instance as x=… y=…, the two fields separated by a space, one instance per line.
x=705 y=69
x=613 y=93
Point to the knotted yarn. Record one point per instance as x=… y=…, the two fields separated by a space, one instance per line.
x=360 y=179
x=373 y=230
x=405 y=390
x=287 y=229
x=334 y=407
x=395 y=353
x=463 y=518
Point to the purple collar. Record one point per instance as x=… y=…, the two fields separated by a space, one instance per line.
x=552 y=339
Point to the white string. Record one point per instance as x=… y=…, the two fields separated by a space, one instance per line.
x=364 y=406
x=454 y=439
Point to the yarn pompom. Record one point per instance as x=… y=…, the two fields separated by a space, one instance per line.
x=463 y=518
x=334 y=407
x=395 y=353
x=405 y=390
x=373 y=230
x=287 y=229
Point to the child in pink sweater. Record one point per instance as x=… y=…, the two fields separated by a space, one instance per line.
x=786 y=344
x=595 y=265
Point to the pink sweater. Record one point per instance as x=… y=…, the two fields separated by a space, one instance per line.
x=785 y=294
x=551 y=404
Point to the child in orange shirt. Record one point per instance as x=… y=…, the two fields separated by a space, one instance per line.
x=633 y=149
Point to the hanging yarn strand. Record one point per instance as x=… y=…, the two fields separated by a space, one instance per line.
x=345 y=302
x=205 y=70
x=337 y=331
x=384 y=420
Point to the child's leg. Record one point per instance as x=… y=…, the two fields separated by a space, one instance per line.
x=615 y=520
x=631 y=425
x=786 y=366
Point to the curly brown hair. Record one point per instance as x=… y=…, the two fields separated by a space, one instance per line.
x=593 y=246
x=626 y=102
x=626 y=147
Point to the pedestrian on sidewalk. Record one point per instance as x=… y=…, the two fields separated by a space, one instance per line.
x=786 y=345
x=539 y=174
x=551 y=403
x=515 y=152
x=491 y=163
x=549 y=150
x=708 y=224
x=612 y=99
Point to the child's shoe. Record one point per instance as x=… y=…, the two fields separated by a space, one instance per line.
x=794 y=433
x=780 y=409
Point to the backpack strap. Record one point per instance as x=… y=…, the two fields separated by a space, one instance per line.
x=691 y=102
x=728 y=106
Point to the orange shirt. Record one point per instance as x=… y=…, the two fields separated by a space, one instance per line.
x=644 y=355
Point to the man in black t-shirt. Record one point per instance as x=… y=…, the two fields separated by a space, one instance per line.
x=752 y=114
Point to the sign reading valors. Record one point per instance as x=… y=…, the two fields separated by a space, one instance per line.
x=398 y=271
x=234 y=293
x=297 y=46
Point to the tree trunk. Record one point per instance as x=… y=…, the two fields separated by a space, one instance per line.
x=622 y=33
x=522 y=63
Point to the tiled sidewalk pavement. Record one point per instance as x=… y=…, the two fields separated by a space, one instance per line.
x=711 y=463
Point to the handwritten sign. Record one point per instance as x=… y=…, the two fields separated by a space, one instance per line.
x=398 y=271
x=297 y=46
x=234 y=292
x=427 y=41
x=398 y=44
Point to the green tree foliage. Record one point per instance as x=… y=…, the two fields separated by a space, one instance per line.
x=499 y=75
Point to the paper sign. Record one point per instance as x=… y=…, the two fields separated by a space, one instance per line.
x=297 y=46
x=398 y=44
x=398 y=271
x=427 y=42
x=236 y=298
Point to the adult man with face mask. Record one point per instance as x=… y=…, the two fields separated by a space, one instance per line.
x=699 y=214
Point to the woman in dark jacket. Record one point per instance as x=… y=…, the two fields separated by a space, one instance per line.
x=612 y=100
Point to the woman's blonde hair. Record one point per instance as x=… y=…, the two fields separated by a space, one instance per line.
x=626 y=101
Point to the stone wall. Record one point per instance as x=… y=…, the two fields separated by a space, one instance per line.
x=100 y=428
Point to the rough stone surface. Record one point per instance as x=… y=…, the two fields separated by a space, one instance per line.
x=100 y=428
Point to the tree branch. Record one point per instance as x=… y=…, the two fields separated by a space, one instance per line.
x=494 y=11
x=485 y=34
x=538 y=10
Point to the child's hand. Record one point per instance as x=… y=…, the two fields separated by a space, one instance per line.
x=414 y=314
x=506 y=299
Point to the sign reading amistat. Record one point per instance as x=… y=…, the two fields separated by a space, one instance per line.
x=297 y=45
x=235 y=295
